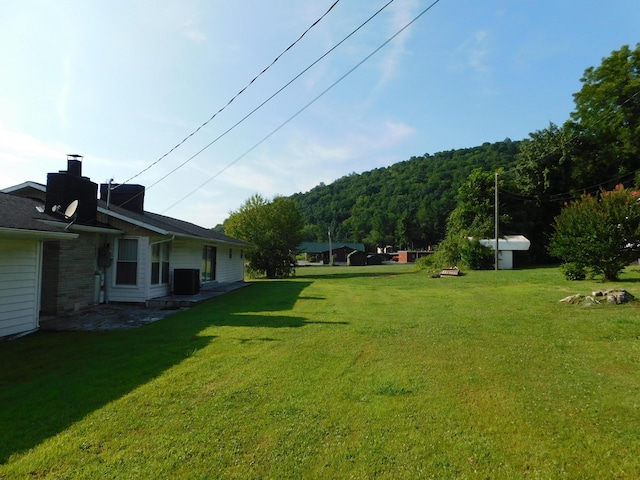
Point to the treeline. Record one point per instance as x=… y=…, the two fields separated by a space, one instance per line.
x=405 y=205
x=445 y=198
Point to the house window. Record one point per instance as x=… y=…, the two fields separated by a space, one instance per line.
x=208 y=271
x=231 y=253
x=160 y=263
x=241 y=253
x=127 y=264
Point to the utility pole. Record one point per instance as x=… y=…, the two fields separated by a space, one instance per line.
x=330 y=249
x=496 y=232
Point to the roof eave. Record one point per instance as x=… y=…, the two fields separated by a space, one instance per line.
x=133 y=221
x=209 y=240
x=19 y=233
x=76 y=227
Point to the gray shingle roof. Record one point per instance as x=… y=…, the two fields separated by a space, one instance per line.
x=20 y=213
x=174 y=226
x=320 y=247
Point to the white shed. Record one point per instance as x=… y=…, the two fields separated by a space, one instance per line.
x=506 y=246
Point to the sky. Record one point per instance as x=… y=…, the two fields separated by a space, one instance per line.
x=122 y=82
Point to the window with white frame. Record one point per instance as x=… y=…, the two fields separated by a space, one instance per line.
x=160 y=263
x=127 y=263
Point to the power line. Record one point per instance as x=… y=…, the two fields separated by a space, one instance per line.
x=234 y=97
x=565 y=196
x=277 y=92
x=273 y=132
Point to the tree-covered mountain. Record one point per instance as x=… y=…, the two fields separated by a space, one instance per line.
x=420 y=202
x=405 y=205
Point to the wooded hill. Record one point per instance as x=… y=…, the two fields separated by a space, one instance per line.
x=405 y=205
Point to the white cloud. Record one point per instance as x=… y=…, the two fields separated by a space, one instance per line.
x=25 y=157
x=478 y=51
x=402 y=15
x=63 y=96
x=183 y=16
x=307 y=160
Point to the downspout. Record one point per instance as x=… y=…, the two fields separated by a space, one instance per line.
x=173 y=237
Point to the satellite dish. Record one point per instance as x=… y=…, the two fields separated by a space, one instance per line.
x=55 y=208
x=71 y=209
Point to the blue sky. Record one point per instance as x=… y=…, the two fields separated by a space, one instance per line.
x=122 y=82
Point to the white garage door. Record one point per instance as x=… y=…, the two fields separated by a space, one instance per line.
x=19 y=286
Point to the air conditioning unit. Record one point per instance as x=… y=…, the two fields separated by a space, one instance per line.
x=186 y=281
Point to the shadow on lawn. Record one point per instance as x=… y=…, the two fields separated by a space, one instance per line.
x=342 y=274
x=51 y=380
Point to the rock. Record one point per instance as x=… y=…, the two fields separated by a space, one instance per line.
x=612 y=296
x=573 y=299
x=590 y=300
x=618 y=296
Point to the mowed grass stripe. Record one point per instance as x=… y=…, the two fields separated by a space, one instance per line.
x=339 y=373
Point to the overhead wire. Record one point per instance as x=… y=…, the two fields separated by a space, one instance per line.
x=272 y=96
x=566 y=196
x=240 y=92
x=324 y=92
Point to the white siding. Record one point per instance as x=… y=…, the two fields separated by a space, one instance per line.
x=229 y=269
x=188 y=254
x=20 y=265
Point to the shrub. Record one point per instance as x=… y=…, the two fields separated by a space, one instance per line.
x=602 y=233
x=425 y=263
x=573 y=271
x=476 y=256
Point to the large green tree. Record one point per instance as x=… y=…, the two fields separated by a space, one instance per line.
x=601 y=233
x=274 y=228
x=599 y=147
x=474 y=216
x=606 y=121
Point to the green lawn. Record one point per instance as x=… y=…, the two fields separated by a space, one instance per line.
x=343 y=372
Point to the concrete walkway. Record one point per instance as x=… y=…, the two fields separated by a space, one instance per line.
x=115 y=316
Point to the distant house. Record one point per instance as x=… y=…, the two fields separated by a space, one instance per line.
x=22 y=235
x=356 y=258
x=117 y=251
x=506 y=246
x=410 y=256
x=319 y=251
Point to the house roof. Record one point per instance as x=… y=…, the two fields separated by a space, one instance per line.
x=508 y=242
x=25 y=188
x=320 y=247
x=154 y=222
x=19 y=217
x=167 y=225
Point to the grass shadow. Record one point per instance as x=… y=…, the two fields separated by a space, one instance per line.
x=50 y=380
x=342 y=274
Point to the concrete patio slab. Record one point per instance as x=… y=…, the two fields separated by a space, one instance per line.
x=118 y=316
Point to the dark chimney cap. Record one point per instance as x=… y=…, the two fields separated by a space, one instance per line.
x=74 y=164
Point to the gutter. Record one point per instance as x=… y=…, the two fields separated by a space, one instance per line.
x=36 y=234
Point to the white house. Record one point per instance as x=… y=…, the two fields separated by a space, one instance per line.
x=506 y=246
x=117 y=252
x=22 y=234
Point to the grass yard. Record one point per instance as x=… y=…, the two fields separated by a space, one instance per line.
x=343 y=372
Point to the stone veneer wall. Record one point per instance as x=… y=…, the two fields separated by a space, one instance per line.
x=68 y=274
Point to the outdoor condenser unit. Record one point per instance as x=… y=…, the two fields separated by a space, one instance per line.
x=186 y=281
